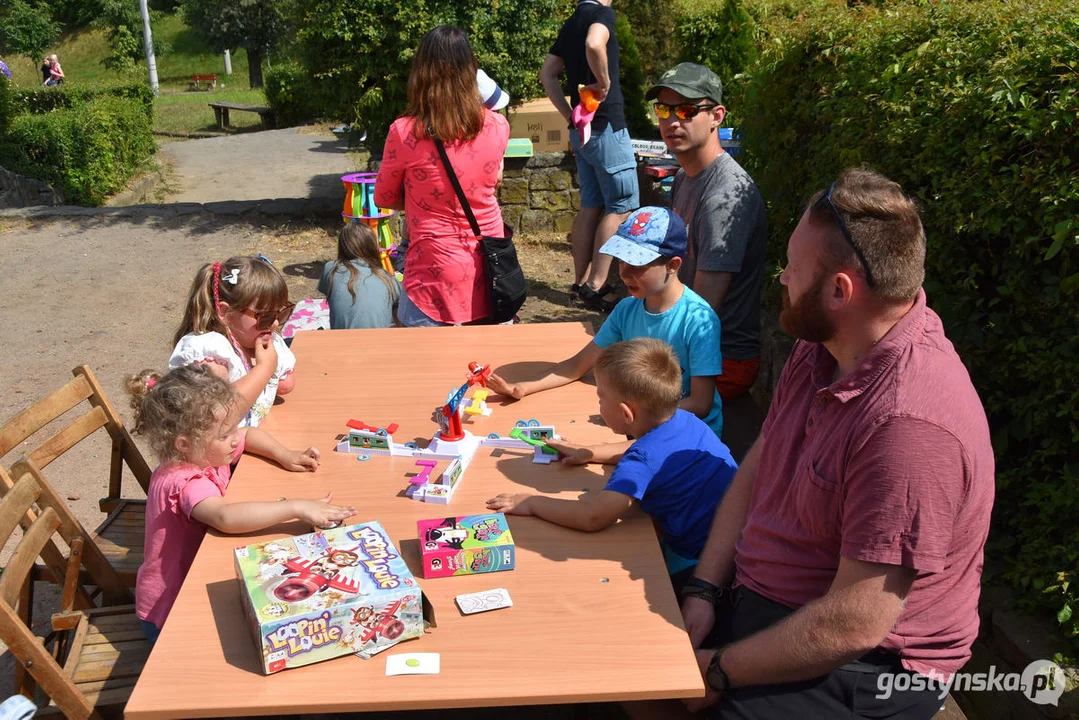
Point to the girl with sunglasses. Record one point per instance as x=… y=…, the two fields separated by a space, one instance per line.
x=233 y=314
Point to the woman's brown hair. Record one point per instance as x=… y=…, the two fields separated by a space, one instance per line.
x=357 y=241
x=443 y=96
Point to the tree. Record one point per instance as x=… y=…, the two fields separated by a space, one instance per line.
x=123 y=29
x=257 y=26
x=27 y=29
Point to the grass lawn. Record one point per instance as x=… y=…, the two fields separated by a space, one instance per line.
x=186 y=54
x=82 y=51
x=190 y=111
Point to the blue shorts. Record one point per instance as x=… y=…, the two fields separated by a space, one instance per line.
x=411 y=316
x=607 y=171
x=150 y=630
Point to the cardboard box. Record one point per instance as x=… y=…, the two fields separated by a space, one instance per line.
x=538 y=121
x=319 y=596
x=465 y=545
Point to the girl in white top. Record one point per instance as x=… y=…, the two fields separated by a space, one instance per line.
x=233 y=314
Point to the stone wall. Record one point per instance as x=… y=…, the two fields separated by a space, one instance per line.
x=540 y=193
x=17 y=191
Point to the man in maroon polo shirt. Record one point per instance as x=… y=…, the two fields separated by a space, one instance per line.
x=849 y=546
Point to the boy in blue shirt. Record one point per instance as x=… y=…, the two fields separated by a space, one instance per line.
x=677 y=469
x=650 y=245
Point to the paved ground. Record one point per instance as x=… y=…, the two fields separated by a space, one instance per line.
x=290 y=163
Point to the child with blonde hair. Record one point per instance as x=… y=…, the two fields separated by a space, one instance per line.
x=189 y=418
x=360 y=292
x=233 y=313
x=677 y=470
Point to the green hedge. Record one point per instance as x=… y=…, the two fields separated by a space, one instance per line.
x=42 y=100
x=5 y=104
x=86 y=152
x=972 y=107
x=357 y=56
x=721 y=36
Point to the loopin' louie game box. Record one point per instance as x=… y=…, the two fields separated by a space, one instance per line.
x=314 y=597
x=465 y=545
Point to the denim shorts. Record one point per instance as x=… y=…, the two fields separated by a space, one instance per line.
x=607 y=171
x=411 y=316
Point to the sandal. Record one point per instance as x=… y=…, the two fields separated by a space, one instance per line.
x=596 y=299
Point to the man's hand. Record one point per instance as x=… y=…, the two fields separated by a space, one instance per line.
x=500 y=387
x=699 y=616
x=306 y=461
x=711 y=697
x=572 y=453
x=511 y=503
x=598 y=91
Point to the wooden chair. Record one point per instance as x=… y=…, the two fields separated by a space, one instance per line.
x=97 y=653
x=121 y=535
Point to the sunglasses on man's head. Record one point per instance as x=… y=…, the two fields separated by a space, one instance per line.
x=265 y=319
x=685 y=111
x=826 y=201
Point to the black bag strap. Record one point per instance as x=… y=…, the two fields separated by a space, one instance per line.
x=457 y=188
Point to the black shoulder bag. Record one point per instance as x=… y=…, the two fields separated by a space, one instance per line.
x=505 y=279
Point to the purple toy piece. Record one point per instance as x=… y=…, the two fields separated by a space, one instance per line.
x=425 y=474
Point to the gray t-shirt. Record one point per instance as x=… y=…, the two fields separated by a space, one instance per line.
x=728 y=232
x=374 y=304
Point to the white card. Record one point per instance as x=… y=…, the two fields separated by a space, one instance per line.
x=412 y=664
x=482 y=601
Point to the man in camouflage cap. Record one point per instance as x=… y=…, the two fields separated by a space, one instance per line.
x=723 y=212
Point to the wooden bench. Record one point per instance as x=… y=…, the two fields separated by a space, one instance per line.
x=221 y=110
x=203 y=82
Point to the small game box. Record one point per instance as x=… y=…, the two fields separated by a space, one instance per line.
x=466 y=545
x=336 y=592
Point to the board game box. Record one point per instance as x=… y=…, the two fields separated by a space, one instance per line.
x=314 y=597
x=465 y=545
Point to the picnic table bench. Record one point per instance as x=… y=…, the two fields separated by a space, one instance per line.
x=221 y=111
x=203 y=82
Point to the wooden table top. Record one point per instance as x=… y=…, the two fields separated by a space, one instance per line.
x=594 y=618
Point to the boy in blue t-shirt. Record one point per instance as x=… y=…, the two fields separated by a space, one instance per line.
x=677 y=469
x=651 y=245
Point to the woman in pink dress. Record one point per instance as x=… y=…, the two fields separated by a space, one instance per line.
x=445 y=279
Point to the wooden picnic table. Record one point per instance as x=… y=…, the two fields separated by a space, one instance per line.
x=594 y=618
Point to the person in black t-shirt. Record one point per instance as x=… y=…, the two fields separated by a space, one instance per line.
x=587 y=50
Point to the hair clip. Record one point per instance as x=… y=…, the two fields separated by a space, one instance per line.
x=233 y=276
x=150 y=382
x=265 y=259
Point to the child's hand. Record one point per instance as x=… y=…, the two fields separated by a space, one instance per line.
x=514 y=504
x=265 y=352
x=500 y=387
x=572 y=453
x=306 y=461
x=319 y=513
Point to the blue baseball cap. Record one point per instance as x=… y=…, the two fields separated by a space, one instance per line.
x=647 y=235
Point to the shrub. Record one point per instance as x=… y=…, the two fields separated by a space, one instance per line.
x=721 y=37
x=357 y=55
x=5 y=104
x=651 y=21
x=632 y=82
x=42 y=99
x=87 y=151
x=971 y=107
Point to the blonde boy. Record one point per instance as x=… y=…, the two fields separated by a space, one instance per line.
x=677 y=470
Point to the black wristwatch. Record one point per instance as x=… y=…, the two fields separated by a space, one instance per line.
x=695 y=587
x=715 y=677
